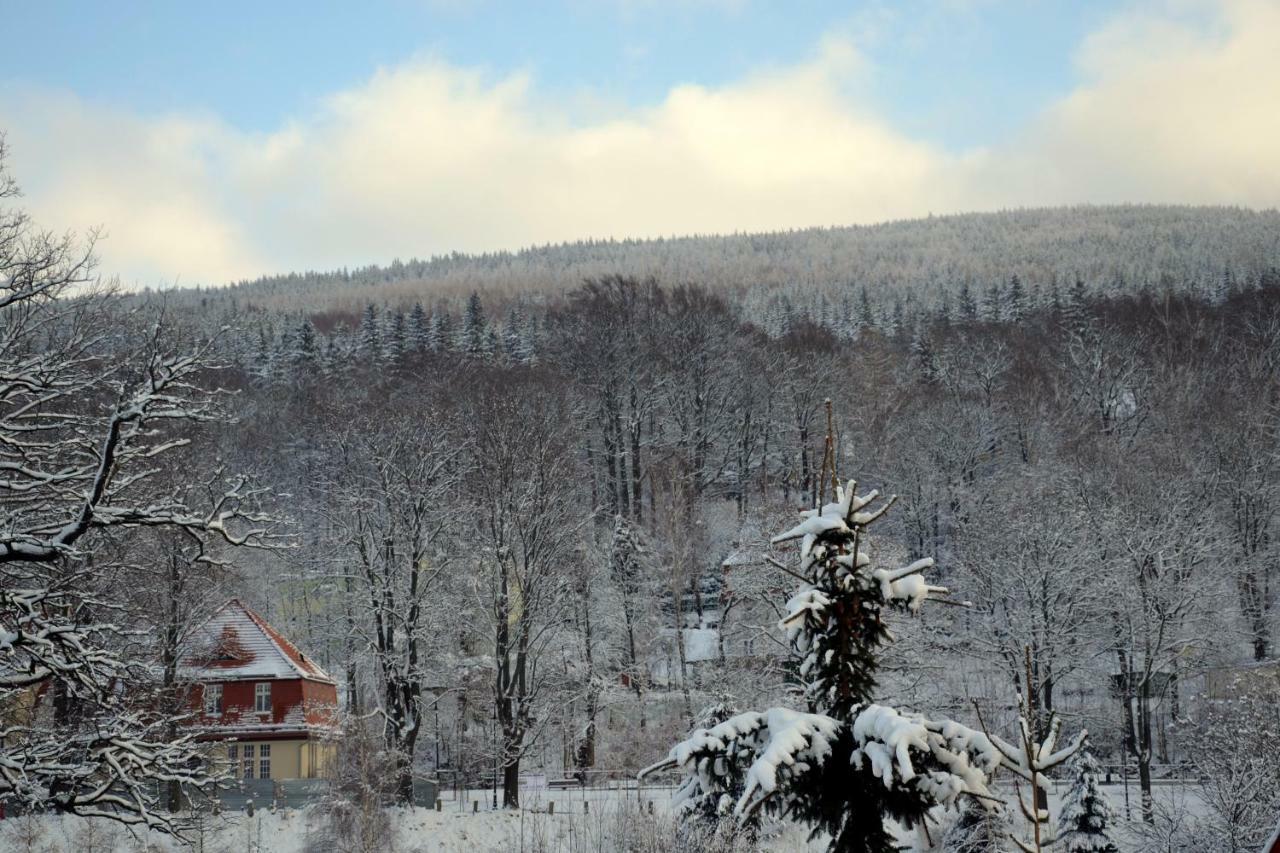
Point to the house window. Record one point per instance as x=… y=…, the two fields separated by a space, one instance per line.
x=248 y=761
x=262 y=697
x=213 y=700
x=233 y=758
x=264 y=761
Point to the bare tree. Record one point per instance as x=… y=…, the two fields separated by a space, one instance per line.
x=81 y=430
x=394 y=504
x=526 y=523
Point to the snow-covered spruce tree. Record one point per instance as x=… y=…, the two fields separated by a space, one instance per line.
x=1086 y=811
x=715 y=802
x=848 y=764
x=979 y=830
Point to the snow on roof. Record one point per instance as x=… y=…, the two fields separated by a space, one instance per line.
x=237 y=643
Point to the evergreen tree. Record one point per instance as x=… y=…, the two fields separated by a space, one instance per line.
x=847 y=764
x=332 y=359
x=979 y=830
x=515 y=338
x=438 y=332
x=993 y=304
x=370 y=340
x=968 y=305
x=416 y=335
x=393 y=340
x=1075 y=314
x=1014 y=301
x=898 y=319
x=625 y=567
x=1086 y=812
x=474 y=327
x=926 y=360
x=492 y=345
x=945 y=310
x=306 y=349
x=866 y=317
x=263 y=366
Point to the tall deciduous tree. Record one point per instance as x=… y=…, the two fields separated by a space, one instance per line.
x=82 y=433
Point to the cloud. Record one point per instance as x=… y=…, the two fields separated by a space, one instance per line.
x=427 y=157
x=149 y=184
x=1169 y=110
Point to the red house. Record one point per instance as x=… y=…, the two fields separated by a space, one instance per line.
x=270 y=707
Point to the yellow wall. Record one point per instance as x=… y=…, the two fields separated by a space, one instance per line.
x=290 y=759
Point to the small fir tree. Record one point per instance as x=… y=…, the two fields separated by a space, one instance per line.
x=979 y=829
x=968 y=305
x=1086 y=812
x=848 y=764
x=1014 y=299
x=370 y=339
x=475 y=327
x=306 y=349
x=417 y=332
x=393 y=339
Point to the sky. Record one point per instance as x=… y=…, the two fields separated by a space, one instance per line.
x=216 y=142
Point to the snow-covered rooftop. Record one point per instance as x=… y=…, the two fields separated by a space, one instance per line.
x=237 y=643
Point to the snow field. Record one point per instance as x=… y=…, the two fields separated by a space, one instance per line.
x=611 y=823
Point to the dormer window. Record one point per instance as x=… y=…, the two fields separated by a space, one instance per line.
x=213 y=700
x=262 y=697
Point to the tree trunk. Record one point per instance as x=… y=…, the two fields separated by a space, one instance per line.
x=1144 y=752
x=511 y=783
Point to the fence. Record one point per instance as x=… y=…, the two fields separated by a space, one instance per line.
x=298 y=793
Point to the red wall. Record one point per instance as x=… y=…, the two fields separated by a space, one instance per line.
x=321 y=701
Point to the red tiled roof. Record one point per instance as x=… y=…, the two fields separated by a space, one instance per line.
x=236 y=642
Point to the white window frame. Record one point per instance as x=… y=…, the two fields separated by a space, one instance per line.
x=264 y=761
x=248 y=761
x=262 y=697
x=212 y=700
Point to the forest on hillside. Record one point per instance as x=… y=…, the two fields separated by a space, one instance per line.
x=528 y=529
x=1095 y=473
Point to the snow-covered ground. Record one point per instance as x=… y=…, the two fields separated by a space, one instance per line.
x=612 y=821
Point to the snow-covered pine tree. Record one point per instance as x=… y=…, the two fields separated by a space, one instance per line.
x=492 y=344
x=1075 y=313
x=627 y=571
x=713 y=803
x=1014 y=301
x=993 y=303
x=922 y=353
x=968 y=305
x=474 y=338
x=262 y=367
x=306 y=349
x=393 y=338
x=370 y=340
x=417 y=334
x=978 y=830
x=1086 y=812
x=866 y=316
x=848 y=764
x=439 y=332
